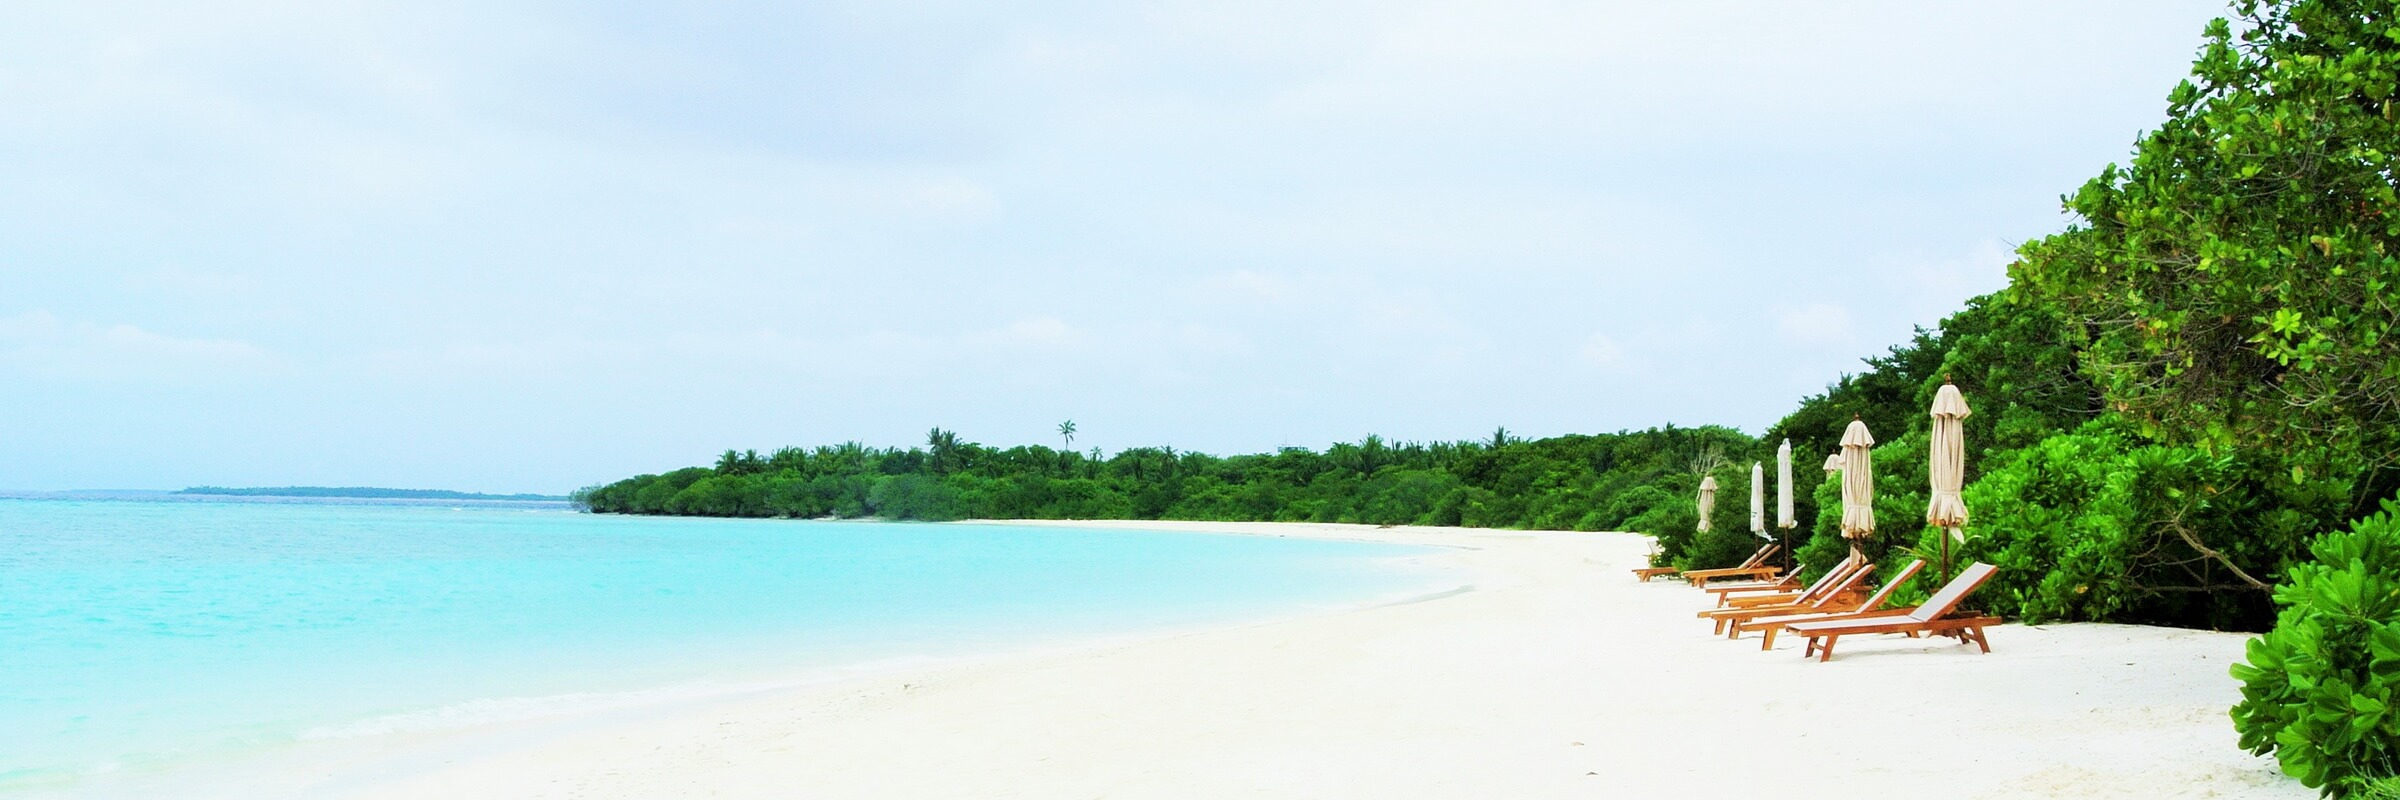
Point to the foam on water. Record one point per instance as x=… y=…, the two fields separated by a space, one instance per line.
x=140 y=635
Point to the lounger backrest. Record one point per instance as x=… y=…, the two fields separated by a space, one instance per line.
x=1825 y=581
x=1940 y=604
x=1885 y=593
x=1845 y=586
x=1759 y=556
x=1829 y=585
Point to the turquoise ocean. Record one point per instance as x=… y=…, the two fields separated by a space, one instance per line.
x=144 y=634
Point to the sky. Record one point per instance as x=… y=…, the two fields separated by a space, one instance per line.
x=524 y=246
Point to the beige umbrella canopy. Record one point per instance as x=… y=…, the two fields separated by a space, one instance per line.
x=1833 y=463
x=1758 y=500
x=1858 y=484
x=1947 y=461
x=1783 y=486
x=1708 y=500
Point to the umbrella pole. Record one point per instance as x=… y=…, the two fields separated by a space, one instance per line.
x=1946 y=534
x=1787 y=551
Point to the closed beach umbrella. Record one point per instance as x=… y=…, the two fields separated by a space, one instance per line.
x=1758 y=500
x=1858 y=484
x=1833 y=463
x=1708 y=500
x=1783 y=486
x=1948 y=464
x=1783 y=497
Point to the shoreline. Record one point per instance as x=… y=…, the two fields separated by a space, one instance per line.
x=1552 y=675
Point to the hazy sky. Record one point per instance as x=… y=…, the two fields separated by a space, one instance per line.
x=532 y=246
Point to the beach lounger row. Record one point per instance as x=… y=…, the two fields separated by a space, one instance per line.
x=1784 y=591
x=1837 y=605
x=1838 y=592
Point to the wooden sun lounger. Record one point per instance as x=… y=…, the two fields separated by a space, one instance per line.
x=1838 y=606
x=1784 y=583
x=1841 y=593
x=1750 y=568
x=1932 y=617
x=1701 y=579
x=1646 y=573
x=1776 y=584
x=1757 y=595
x=1871 y=607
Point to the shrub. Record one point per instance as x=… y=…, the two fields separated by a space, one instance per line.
x=916 y=497
x=2052 y=518
x=2317 y=691
x=2098 y=525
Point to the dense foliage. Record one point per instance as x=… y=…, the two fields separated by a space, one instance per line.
x=2235 y=282
x=2319 y=690
x=1569 y=483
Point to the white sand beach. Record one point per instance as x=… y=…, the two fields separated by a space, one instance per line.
x=1557 y=676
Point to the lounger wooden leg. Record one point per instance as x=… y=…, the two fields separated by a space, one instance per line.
x=1825 y=651
x=1979 y=640
x=1770 y=642
x=1720 y=627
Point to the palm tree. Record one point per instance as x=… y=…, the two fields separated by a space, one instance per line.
x=944 y=445
x=1500 y=438
x=1372 y=454
x=1066 y=454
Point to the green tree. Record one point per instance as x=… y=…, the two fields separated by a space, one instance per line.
x=944 y=448
x=2234 y=284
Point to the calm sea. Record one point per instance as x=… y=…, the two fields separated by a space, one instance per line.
x=138 y=635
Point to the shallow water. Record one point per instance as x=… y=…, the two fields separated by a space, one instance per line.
x=138 y=635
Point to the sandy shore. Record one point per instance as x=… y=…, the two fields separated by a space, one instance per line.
x=1556 y=676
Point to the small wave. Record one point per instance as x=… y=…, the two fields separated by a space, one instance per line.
x=496 y=710
x=490 y=710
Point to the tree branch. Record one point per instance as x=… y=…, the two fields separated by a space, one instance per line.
x=2194 y=540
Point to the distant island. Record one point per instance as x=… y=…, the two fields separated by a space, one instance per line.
x=362 y=492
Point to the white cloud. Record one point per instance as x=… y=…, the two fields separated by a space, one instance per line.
x=187 y=283
x=1936 y=285
x=536 y=359
x=40 y=342
x=1032 y=332
x=1251 y=287
x=1211 y=341
x=1817 y=323
x=1602 y=350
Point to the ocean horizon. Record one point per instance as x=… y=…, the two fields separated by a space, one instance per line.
x=148 y=634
